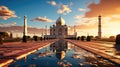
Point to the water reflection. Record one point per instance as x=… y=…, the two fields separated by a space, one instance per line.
x=59 y=48
x=62 y=54
x=25 y=59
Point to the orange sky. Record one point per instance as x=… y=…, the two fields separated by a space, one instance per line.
x=110 y=12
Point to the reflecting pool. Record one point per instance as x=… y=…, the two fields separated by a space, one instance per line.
x=62 y=54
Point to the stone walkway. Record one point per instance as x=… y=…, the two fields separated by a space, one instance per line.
x=10 y=52
x=107 y=51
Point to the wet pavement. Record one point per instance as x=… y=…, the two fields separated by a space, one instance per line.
x=62 y=54
x=107 y=50
x=9 y=52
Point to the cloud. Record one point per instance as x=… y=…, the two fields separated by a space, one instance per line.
x=90 y=22
x=78 y=16
x=104 y=8
x=8 y=24
x=64 y=9
x=81 y=9
x=42 y=19
x=19 y=29
x=5 y=13
x=81 y=20
x=53 y=3
x=13 y=24
x=29 y=26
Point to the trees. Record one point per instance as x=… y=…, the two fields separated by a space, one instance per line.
x=88 y=38
x=4 y=34
x=82 y=38
x=35 y=38
x=112 y=37
x=78 y=38
x=118 y=39
x=24 y=38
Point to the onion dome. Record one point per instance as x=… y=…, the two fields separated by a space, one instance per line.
x=60 y=21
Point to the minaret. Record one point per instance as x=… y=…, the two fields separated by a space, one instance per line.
x=99 y=27
x=46 y=29
x=74 y=30
x=75 y=33
x=25 y=26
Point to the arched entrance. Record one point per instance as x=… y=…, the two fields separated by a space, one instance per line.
x=60 y=31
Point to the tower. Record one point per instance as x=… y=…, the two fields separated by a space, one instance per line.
x=25 y=26
x=25 y=29
x=74 y=30
x=46 y=30
x=75 y=33
x=99 y=27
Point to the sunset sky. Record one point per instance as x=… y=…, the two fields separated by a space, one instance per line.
x=82 y=13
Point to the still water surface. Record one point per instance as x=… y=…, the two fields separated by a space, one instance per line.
x=62 y=54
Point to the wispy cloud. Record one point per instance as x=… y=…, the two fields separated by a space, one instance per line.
x=8 y=24
x=78 y=16
x=92 y=22
x=85 y=23
x=19 y=29
x=53 y=3
x=62 y=8
x=81 y=9
x=5 y=13
x=13 y=24
x=42 y=19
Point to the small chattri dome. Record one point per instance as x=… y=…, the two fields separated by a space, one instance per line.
x=60 y=21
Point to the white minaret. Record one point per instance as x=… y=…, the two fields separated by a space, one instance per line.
x=75 y=33
x=25 y=26
x=99 y=27
x=46 y=30
x=74 y=30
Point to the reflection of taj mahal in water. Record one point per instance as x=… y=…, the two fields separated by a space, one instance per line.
x=59 y=30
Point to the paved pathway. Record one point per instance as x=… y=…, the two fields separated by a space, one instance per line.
x=105 y=50
x=10 y=52
x=16 y=50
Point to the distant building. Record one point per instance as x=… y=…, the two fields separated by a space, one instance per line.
x=5 y=34
x=59 y=30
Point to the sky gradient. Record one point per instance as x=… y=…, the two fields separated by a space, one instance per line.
x=82 y=13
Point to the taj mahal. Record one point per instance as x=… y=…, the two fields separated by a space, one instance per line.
x=59 y=30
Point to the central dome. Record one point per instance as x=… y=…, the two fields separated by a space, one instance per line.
x=60 y=21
